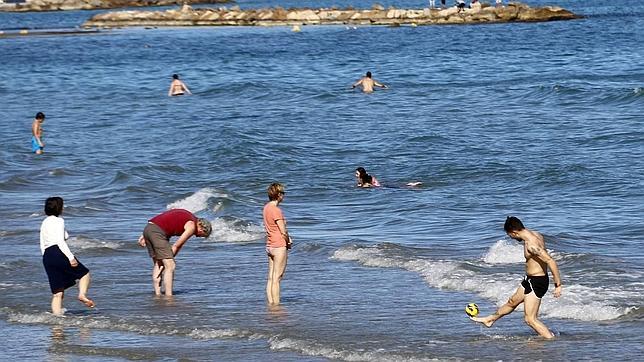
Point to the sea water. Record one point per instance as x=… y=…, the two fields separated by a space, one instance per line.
x=542 y=121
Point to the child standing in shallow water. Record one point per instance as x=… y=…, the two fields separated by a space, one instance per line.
x=37 y=146
x=62 y=267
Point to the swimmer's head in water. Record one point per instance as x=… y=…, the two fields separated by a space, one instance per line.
x=368 y=74
x=175 y=76
x=363 y=176
x=40 y=116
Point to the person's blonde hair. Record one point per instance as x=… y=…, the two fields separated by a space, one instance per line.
x=274 y=191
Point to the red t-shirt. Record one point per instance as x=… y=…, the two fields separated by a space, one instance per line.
x=274 y=238
x=173 y=222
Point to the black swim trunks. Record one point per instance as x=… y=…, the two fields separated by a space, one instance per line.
x=538 y=284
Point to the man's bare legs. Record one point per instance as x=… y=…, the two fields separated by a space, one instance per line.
x=276 y=267
x=531 y=305
x=157 y=270
x=507 y=308
x=168 y=275
x=163 y=272
x=57 y=303
x=83 y=286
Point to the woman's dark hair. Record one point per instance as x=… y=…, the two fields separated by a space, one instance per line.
x=40 y=115
x=175 y=76
x=54 y=206
x=365 y=178
x=513 y=224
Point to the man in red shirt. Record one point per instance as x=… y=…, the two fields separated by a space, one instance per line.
x=156 y=237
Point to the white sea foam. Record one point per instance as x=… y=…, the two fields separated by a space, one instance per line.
x=86 y=243
x=233 y=230
x=578 y=302
x=125 y=326
x=197 y=201
x=217 y=333
x=504 y=252
x=316 y=349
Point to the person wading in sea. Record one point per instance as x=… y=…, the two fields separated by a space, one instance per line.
x=368 y=83
x=535 y=284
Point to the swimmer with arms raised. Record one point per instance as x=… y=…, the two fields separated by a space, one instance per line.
x=368 y=83
x=535 y=284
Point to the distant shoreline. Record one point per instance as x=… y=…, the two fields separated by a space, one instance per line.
x=378 y=15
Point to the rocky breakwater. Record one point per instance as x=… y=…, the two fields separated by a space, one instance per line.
x=378 y=15
x=56 y=5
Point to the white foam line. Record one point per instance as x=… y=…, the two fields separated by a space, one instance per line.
x=107 y=324
x=315 y=349
x=578 y=302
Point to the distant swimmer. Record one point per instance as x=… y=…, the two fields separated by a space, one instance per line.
x=278 y=242
x=535 y=284
x=368 y=83
x=177 y=87
x=62 y=267
x=156 y=237
x=364 y=179
x=37 y=145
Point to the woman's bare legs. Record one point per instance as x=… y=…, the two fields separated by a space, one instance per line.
x=83 y=286
x=57 y=303
x=276 y=268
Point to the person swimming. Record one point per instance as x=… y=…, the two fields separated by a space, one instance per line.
x=364 y=179
x=177 y=87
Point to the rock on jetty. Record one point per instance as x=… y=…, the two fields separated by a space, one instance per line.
x=378 y=15
x=55 y=5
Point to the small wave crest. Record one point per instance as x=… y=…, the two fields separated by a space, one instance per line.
x=599 y=93
x=229 y=229
x=14 y=183
x=82 y=243
x=278 y=343
x=134 y=326
x=577 y=302
x=197 y=201
x=504 y=252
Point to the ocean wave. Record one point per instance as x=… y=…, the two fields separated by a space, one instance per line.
x=229 y=229
x=504 y=252
x=278 y=343
x=59 y=172
x=14 y=182
x=598 y=94
x=15 y=264
x=120 y=324
x=82 y=243
x=576 y=302
x=198 y=201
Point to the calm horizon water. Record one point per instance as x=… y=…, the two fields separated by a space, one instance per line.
x=542 y=121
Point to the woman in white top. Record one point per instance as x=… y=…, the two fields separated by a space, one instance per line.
x=63 y=269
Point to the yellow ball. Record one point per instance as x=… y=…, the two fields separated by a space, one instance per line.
x=472 y=310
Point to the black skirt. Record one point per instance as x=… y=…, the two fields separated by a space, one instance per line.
x=60 y=273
